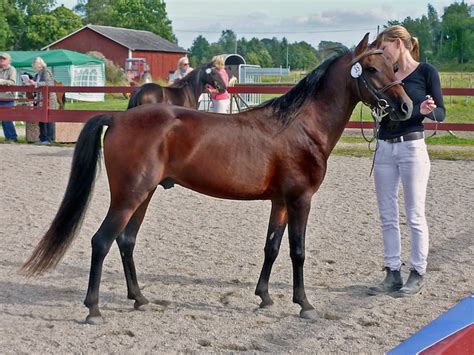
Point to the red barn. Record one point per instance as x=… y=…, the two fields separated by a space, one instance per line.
x=118 y=44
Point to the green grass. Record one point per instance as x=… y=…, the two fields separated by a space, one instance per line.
x=444 y=154
x=444 y=140
x=450 y=140
x=110 y=103
x=457 y=80
x=457 y=112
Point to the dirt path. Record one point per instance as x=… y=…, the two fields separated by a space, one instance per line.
x=198 y=260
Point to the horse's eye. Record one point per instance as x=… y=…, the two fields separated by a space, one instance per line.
x=372 y=70
x=395 y=68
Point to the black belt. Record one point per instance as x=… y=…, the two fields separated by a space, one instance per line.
x=413 y=136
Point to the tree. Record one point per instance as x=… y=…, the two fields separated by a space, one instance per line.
x=257 y=53
x=97 y=12
x=458 y=27
x=227 y=41
x=435 y=28
x=68 y=21
x=421 y=29
x=242 y=47
x=40 y=31
x=200 y=51
x=147 y=15
x=327 y=48
x=44 y=29
x=35 y=7
x=12 y=22
x=302 y=56
x=276 y=50
x=5 y=33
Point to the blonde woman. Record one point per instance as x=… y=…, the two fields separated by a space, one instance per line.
x=402 y=156
x=44 y=77
x=220 y=101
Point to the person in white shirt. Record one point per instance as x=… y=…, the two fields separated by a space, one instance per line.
x=183 y=70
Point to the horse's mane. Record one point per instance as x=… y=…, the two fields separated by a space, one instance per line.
x=287 y=107
x=191 y=77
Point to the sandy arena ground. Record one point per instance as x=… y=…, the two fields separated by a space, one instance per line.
x=198 y=260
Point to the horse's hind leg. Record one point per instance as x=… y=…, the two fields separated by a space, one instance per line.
x=126 y=242
x=298 y=210
x=113 y=224
x=276 y=228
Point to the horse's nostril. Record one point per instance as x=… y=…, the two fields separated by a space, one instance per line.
x=405 y=108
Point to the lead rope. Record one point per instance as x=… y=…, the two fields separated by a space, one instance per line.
x=375 y=131
x=373 y=158
x=434 y=117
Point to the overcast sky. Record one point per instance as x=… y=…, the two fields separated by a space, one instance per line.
x=312 y=21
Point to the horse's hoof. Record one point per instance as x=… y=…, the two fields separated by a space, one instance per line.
x=142 y=306
x=94 y=320
x=266 y=303
x=310 y=314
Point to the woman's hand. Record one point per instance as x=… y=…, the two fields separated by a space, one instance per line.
x=32 y=82
x=210 y=90
x=427 y=106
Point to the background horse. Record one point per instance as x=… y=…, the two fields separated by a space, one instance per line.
x=183 y=92
x=277 y=151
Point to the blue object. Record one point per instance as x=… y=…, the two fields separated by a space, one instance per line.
x=458 y=317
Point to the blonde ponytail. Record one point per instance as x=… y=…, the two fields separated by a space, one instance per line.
x=415 y=48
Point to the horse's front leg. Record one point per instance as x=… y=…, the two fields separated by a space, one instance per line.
x=276 y=228
x=126 y=242
x=298 y=210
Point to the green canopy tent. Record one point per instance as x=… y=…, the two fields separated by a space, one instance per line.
x=68 y=67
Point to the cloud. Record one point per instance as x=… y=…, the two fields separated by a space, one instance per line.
x=340 y=18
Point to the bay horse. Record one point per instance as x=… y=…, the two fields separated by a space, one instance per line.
x=277 y=151
x=183 y=92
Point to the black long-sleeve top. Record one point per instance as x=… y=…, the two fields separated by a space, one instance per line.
x=424 y=80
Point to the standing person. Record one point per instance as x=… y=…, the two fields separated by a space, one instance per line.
x=44 y=77
x=182 y=70
x=7 y=78
x=402 y=156
x=220 y=100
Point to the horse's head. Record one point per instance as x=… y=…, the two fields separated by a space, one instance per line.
x=376 y=85
x=209 y=75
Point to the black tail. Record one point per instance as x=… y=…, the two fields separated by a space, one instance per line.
x=62 y=231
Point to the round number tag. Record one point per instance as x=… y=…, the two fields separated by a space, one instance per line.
x=356 y=70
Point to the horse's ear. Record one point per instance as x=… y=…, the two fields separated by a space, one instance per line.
x=362 y=46
x=375 y=44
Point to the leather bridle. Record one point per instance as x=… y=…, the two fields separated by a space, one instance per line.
x=382 y=108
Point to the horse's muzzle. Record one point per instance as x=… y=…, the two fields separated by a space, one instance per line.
x=403 y=112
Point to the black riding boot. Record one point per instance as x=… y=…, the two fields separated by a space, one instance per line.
x=412 y=287
x=393 y=282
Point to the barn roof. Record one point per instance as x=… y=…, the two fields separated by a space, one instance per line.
x=132 y=39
